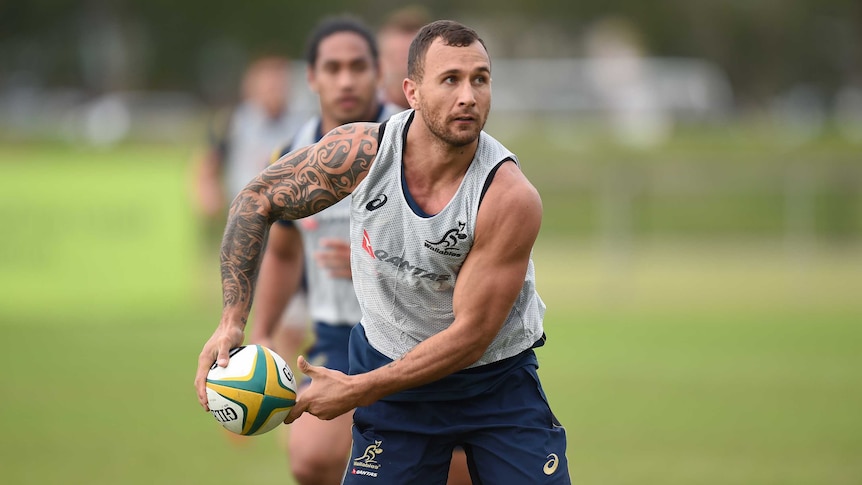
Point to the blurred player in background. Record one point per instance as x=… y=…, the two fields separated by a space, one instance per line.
x=343 y=70
x=241 y=142
x=394 y=37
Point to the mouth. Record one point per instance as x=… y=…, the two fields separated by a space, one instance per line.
x=347 y=102
x=464 y=119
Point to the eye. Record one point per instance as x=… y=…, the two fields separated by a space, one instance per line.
x=480 y=80
x=449 y=80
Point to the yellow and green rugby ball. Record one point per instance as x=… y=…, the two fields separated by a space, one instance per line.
x=254 y=393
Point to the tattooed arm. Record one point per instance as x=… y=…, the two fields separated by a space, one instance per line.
x=300 y=184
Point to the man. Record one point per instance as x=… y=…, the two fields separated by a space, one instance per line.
x=394 y=37
x=343 y=70
x=442 y=227
x=240 y=146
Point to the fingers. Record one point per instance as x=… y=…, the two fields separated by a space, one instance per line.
x=296 y=411
x=204 y=364
x=223 y=353
x=306 y=368
x=301 y=405
x=215 y=350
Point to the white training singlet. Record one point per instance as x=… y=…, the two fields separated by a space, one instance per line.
x=330 y=300
x=251 y=137
x=405 y=266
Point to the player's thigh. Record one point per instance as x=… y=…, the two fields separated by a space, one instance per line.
x=319 y=440
x=524 y=442
x=494 y=460
x=396 y=458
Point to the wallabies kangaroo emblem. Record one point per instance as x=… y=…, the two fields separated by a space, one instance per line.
x=371 y=453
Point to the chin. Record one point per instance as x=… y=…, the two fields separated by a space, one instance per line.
x=461 y=139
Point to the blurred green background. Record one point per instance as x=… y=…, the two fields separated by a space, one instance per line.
x=700 y=256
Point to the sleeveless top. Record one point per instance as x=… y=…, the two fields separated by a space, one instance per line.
x=405 y=266
x=250 y=137
x=330 y=300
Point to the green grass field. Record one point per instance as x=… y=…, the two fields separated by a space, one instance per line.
x=673 y=363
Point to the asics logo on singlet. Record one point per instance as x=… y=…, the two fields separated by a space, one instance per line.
x=447 y=244
x=551 y=465
x=376 y=203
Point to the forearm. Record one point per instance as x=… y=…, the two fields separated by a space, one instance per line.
x=278 y=280
x=440 y=355
x=300 y=184
x=241 y=249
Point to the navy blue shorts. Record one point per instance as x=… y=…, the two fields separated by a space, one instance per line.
x=330 y=347
x=509 y=434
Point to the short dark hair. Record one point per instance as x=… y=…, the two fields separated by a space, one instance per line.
x=453 y=34
x=334 y=25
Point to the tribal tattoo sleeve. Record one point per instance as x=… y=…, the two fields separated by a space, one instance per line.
x=298 y=185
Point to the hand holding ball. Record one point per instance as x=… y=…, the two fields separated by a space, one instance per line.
x=254 y=393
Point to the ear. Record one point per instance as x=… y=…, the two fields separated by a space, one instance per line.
x=411 y=92
x=311 y=80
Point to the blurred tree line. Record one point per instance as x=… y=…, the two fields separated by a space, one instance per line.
x=765 y=46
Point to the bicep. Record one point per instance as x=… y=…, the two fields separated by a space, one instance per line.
x=493 y=274
x=310 y=179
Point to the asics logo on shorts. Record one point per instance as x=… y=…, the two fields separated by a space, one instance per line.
x=551 y=465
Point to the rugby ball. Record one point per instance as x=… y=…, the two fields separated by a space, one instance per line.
x=254 y=393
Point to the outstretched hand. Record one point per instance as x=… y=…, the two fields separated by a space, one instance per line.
x=217 y=349
x=330 y=394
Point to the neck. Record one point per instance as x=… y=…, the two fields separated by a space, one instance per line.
x=428 y=153
x=433 y=169
x=329 y=123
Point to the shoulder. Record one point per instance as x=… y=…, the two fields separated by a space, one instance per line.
x=309 y=124
x=511 y=200
x=353 y=147
x=306 y=134
x=360 y=131
x=510 y=184
x=242 y=113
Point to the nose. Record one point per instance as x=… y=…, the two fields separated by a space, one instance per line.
x=346 y=79
x=466 y=96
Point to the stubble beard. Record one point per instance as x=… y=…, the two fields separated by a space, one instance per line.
x=438 y=127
